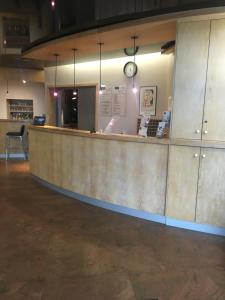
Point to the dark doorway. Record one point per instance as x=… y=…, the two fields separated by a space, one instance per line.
x=76 y=111
x=70 y=108
x=86 y=108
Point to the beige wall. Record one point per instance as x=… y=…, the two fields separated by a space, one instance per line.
x=152 y=70
x=33 y=89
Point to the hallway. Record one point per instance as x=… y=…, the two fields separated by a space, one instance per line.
x=56 y=248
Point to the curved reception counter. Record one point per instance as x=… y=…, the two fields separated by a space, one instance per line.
x=155 y=179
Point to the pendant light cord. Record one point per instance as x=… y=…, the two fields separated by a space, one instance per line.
x=134 y=49
x=7 y=82
x=100 y=65
x=56 y=63
x=74 y=71
x=134 y=45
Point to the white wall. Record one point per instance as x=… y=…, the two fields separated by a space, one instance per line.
x=153 y=69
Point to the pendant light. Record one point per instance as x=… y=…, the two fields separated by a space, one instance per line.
x=134 y=88
x=74 y=72
x=100 y=68
x=56 y=64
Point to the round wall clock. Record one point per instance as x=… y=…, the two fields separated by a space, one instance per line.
x=131 y=51
x=130 y=69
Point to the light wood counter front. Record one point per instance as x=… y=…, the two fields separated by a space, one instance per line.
x=125 y=170
x=169 y=179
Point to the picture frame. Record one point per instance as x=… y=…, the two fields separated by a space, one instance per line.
x=148 y=100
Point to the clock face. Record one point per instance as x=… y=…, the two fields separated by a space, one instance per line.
x=130 y=69
x=131 y=51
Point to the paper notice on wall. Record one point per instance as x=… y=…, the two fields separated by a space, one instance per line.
x=119 y=100
x=106 y=103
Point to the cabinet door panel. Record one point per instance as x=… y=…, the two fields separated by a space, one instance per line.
x=211 y=190
x=182 y=182
x=190 y=79
x=215 y=89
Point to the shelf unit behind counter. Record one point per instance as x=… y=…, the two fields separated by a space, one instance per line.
x=20 y=109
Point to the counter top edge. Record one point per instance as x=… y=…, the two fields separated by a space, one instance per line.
x=15 y=121
x=130 y=138
x=97 y=135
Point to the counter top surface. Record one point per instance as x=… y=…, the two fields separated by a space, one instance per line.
x=98 y=135
x=15 y=121
x=130 y=138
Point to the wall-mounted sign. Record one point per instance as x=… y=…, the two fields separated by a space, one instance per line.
x=148 y=98
x=119 y=100
x=106 y=103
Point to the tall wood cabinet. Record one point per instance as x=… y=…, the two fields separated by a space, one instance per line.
x=199 y=89
x=196 y=190
x=214 y=110
x=189 y=82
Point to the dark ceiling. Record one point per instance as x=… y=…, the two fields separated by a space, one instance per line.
x=70 y=16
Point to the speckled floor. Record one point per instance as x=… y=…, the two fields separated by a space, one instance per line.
x=56 y=248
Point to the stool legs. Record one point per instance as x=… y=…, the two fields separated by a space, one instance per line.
x=8 y=146
x=24 y=147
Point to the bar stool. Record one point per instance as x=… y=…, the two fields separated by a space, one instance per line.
x=15 y=135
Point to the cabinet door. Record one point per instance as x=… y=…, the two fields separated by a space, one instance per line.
x=214 y=116
x=190 y=79
x=182 y=182
x=211 y=190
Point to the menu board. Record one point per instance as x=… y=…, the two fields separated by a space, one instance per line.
x=106 y=103
x=119 y=99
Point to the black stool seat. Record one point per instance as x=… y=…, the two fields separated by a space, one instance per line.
x=15 y=135
x=11 y=133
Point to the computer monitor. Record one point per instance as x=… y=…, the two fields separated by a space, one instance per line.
x=39 y=120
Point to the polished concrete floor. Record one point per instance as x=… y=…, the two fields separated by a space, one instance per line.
x=56 y=248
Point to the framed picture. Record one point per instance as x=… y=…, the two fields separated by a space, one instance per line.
x=148 y=98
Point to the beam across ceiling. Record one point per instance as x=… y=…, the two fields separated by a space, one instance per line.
x=114 y=38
